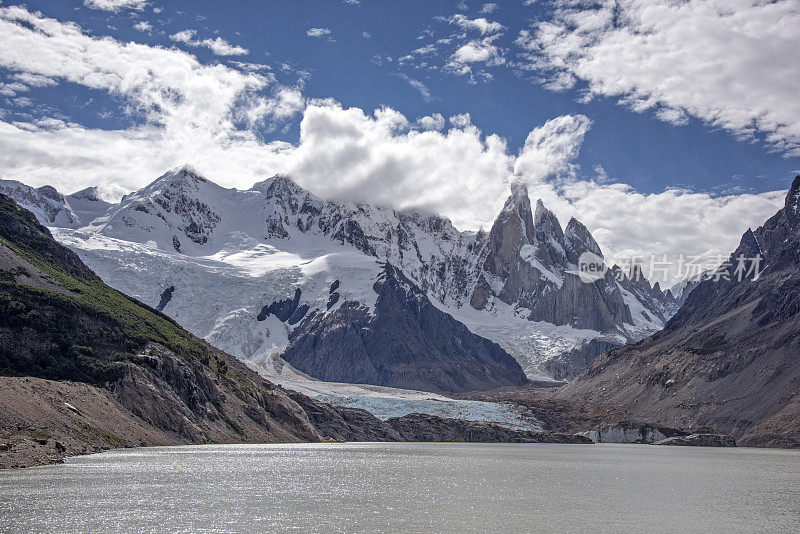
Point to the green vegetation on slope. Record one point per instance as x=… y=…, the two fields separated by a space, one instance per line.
x=83 y=333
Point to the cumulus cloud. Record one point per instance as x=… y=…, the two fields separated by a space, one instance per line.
x=482 y=50
x=476 y=51
x=481 y=25
x=143 y=26
x=318 y=32
x=432 y=122
x=729 y=63
x=549 y=149
x=489 y=8
x=115 y=5
x=217 y=45
x=350 y=155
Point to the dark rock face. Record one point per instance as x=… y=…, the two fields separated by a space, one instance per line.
x=570 y=364
x=699 y=440
x=730 y=357
x=406 y=343
x=428 y=428
x=283 y=309
x=166 y=296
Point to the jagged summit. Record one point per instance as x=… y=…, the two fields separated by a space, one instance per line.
x=580 y=240
x=729 y=357
x=793 y=197
x=278 y=184
x=90 y=193
x=178 y=177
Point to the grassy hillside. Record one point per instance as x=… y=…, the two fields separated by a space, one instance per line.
x=75 y=327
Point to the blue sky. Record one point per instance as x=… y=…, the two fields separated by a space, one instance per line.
x=637 y=148
x=698 y=96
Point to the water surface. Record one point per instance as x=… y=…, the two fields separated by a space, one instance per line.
x=408 y=487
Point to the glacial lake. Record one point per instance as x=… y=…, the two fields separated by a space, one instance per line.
x=373 y=487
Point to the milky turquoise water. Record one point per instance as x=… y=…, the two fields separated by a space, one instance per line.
x=370 y=487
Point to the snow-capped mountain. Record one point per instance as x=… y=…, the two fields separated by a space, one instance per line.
x=221 y=261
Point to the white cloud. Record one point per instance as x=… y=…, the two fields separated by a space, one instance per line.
x=730 y=63
x=461 y=120
x=418 y=85
x=470 y=51
x=489 y=8
x=33 y=80
x=143 y=26
x=347 y=154
x=481 y=25
x=433 y=122
x=366 y=35
x=549 y=149
x=217 y=45
x=318 y=32
x=476 y=51
x=115 y=5
x=221 y=47
x=11 y=89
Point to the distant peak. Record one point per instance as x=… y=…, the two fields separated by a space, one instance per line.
x=580 y=238
x=178 y=176
x=50 y=192
x=793 y=198
x=190 y=172
x=518 y=198
x=575 y=224
x=542 y=214
x=278 y=185
x=519 y=189
x=90 y=193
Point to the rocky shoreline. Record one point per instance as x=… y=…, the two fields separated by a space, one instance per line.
x=44 y=422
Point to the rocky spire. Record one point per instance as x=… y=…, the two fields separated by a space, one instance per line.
x=546 y=223
x=519 y=204
x=793 y=199
x=512 y=229
x=579 y=240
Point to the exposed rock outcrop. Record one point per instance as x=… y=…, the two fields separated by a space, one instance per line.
x=699 y=440
x=406 y=342
x=632 y=432
x=419 y=427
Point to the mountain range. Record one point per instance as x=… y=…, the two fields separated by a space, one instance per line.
x=355 y=293
x=84 y=368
